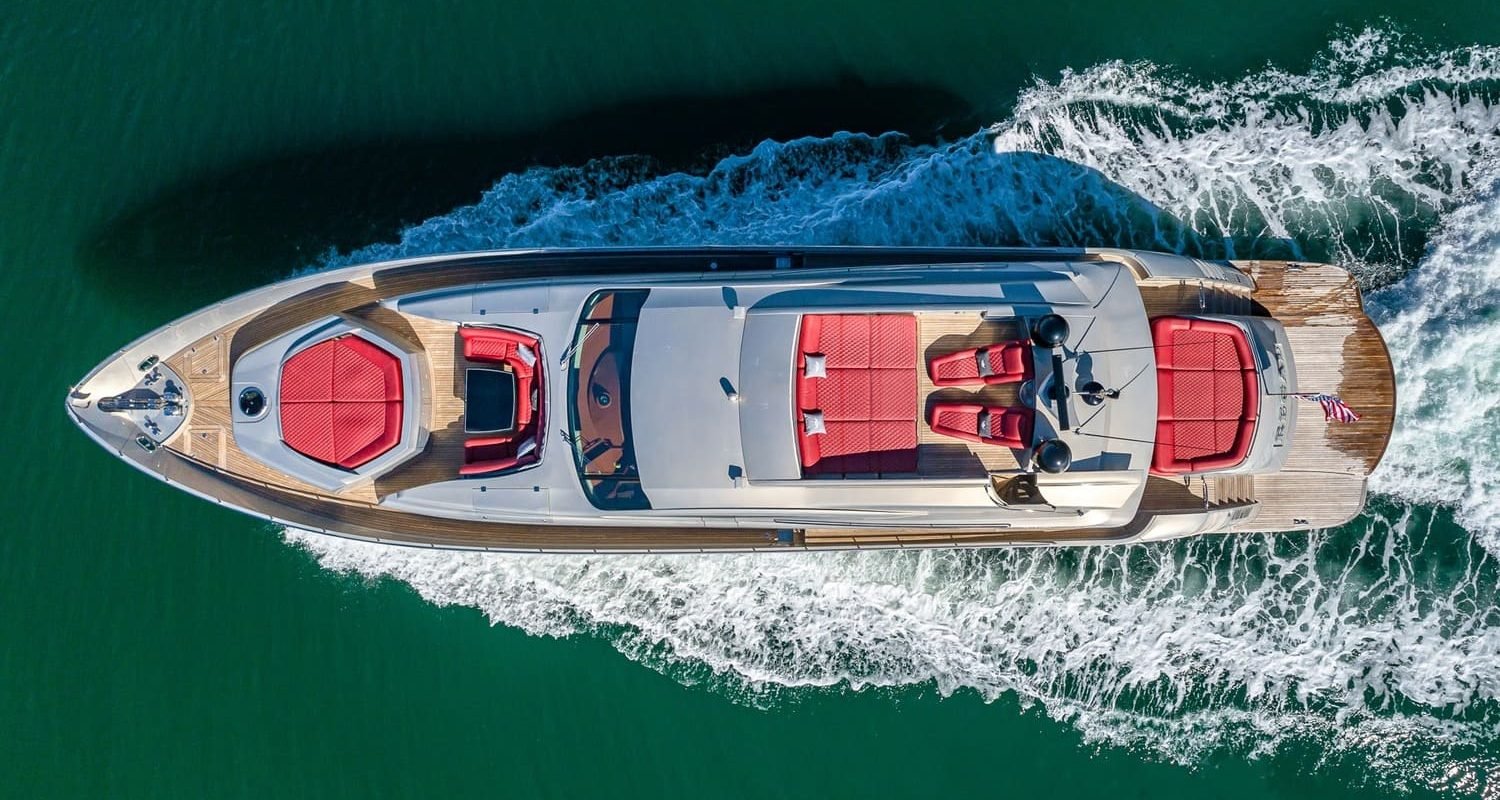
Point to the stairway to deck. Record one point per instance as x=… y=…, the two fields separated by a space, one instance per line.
x=1232 y=490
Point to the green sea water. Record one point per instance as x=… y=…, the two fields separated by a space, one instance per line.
x=157 y=157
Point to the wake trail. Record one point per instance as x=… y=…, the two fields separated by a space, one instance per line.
x=1377 y=644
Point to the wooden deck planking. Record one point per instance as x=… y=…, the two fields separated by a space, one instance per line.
x=1291 y=500
x=1320 y=303
x=1163 y=297
x=875 y=538
x=1338 y=350
x=437 y=343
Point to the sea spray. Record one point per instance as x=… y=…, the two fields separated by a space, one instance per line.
x=1376 y=644
x=1245 y=644
x=1350 y=162
x=1442 y=325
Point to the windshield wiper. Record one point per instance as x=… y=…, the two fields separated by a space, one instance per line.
x=577 y=343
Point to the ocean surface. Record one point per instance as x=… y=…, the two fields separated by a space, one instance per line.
x=157 y=158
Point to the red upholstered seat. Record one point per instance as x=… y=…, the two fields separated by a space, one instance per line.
x=308 y=429
x=501 y=346
x=488 y=455
x=1008 y=426
x=365 y=372
x=308 y=376
x=867 y=399
x=1208 y=395
x=340 y=401
x=491 y=454
x=386 y=415
x=1006 y=362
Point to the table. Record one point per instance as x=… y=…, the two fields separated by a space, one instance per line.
x=489 y=400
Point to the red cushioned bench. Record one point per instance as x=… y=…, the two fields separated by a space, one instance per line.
x=491 y=454
x=485 y=455
x=340 y=401
x=1208 y=395
x=503 y=347
x=867 y=399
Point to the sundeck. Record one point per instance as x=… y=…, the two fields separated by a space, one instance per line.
x=741 y=399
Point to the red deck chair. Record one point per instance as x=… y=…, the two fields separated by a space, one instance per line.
x=1006 y=362
x=1008 y=426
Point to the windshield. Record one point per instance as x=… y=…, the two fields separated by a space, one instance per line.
x=599 y=385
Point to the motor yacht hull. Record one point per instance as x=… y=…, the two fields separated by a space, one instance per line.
x=217 y=403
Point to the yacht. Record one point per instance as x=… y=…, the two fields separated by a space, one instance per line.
x=738 y=399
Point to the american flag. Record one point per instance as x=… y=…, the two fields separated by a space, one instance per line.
x=1333 y=407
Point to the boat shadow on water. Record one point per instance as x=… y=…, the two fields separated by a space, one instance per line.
x=254 y=222
x=259 y=221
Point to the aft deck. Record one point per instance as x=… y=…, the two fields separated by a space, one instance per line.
x=941 y=333
x=1337 y=350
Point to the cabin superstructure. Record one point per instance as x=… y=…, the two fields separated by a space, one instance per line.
x=752 y=398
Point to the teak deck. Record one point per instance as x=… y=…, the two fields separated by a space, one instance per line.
x=1335 y=346
x=938 y=334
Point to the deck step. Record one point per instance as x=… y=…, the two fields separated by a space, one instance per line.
x=1233 y=489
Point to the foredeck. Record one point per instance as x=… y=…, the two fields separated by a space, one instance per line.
x=1336 y=349
x=210 y=439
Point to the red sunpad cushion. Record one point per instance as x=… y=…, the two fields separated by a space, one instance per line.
x=308 y=376
x=364 y=372
x=308 y=429
x=1207 y=395
x=341 y=401
x=868 y=397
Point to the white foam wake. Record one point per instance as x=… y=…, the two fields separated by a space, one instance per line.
x=1348 y=162
x=1247 y=644
x=1379 y=643
x=1442 y=325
